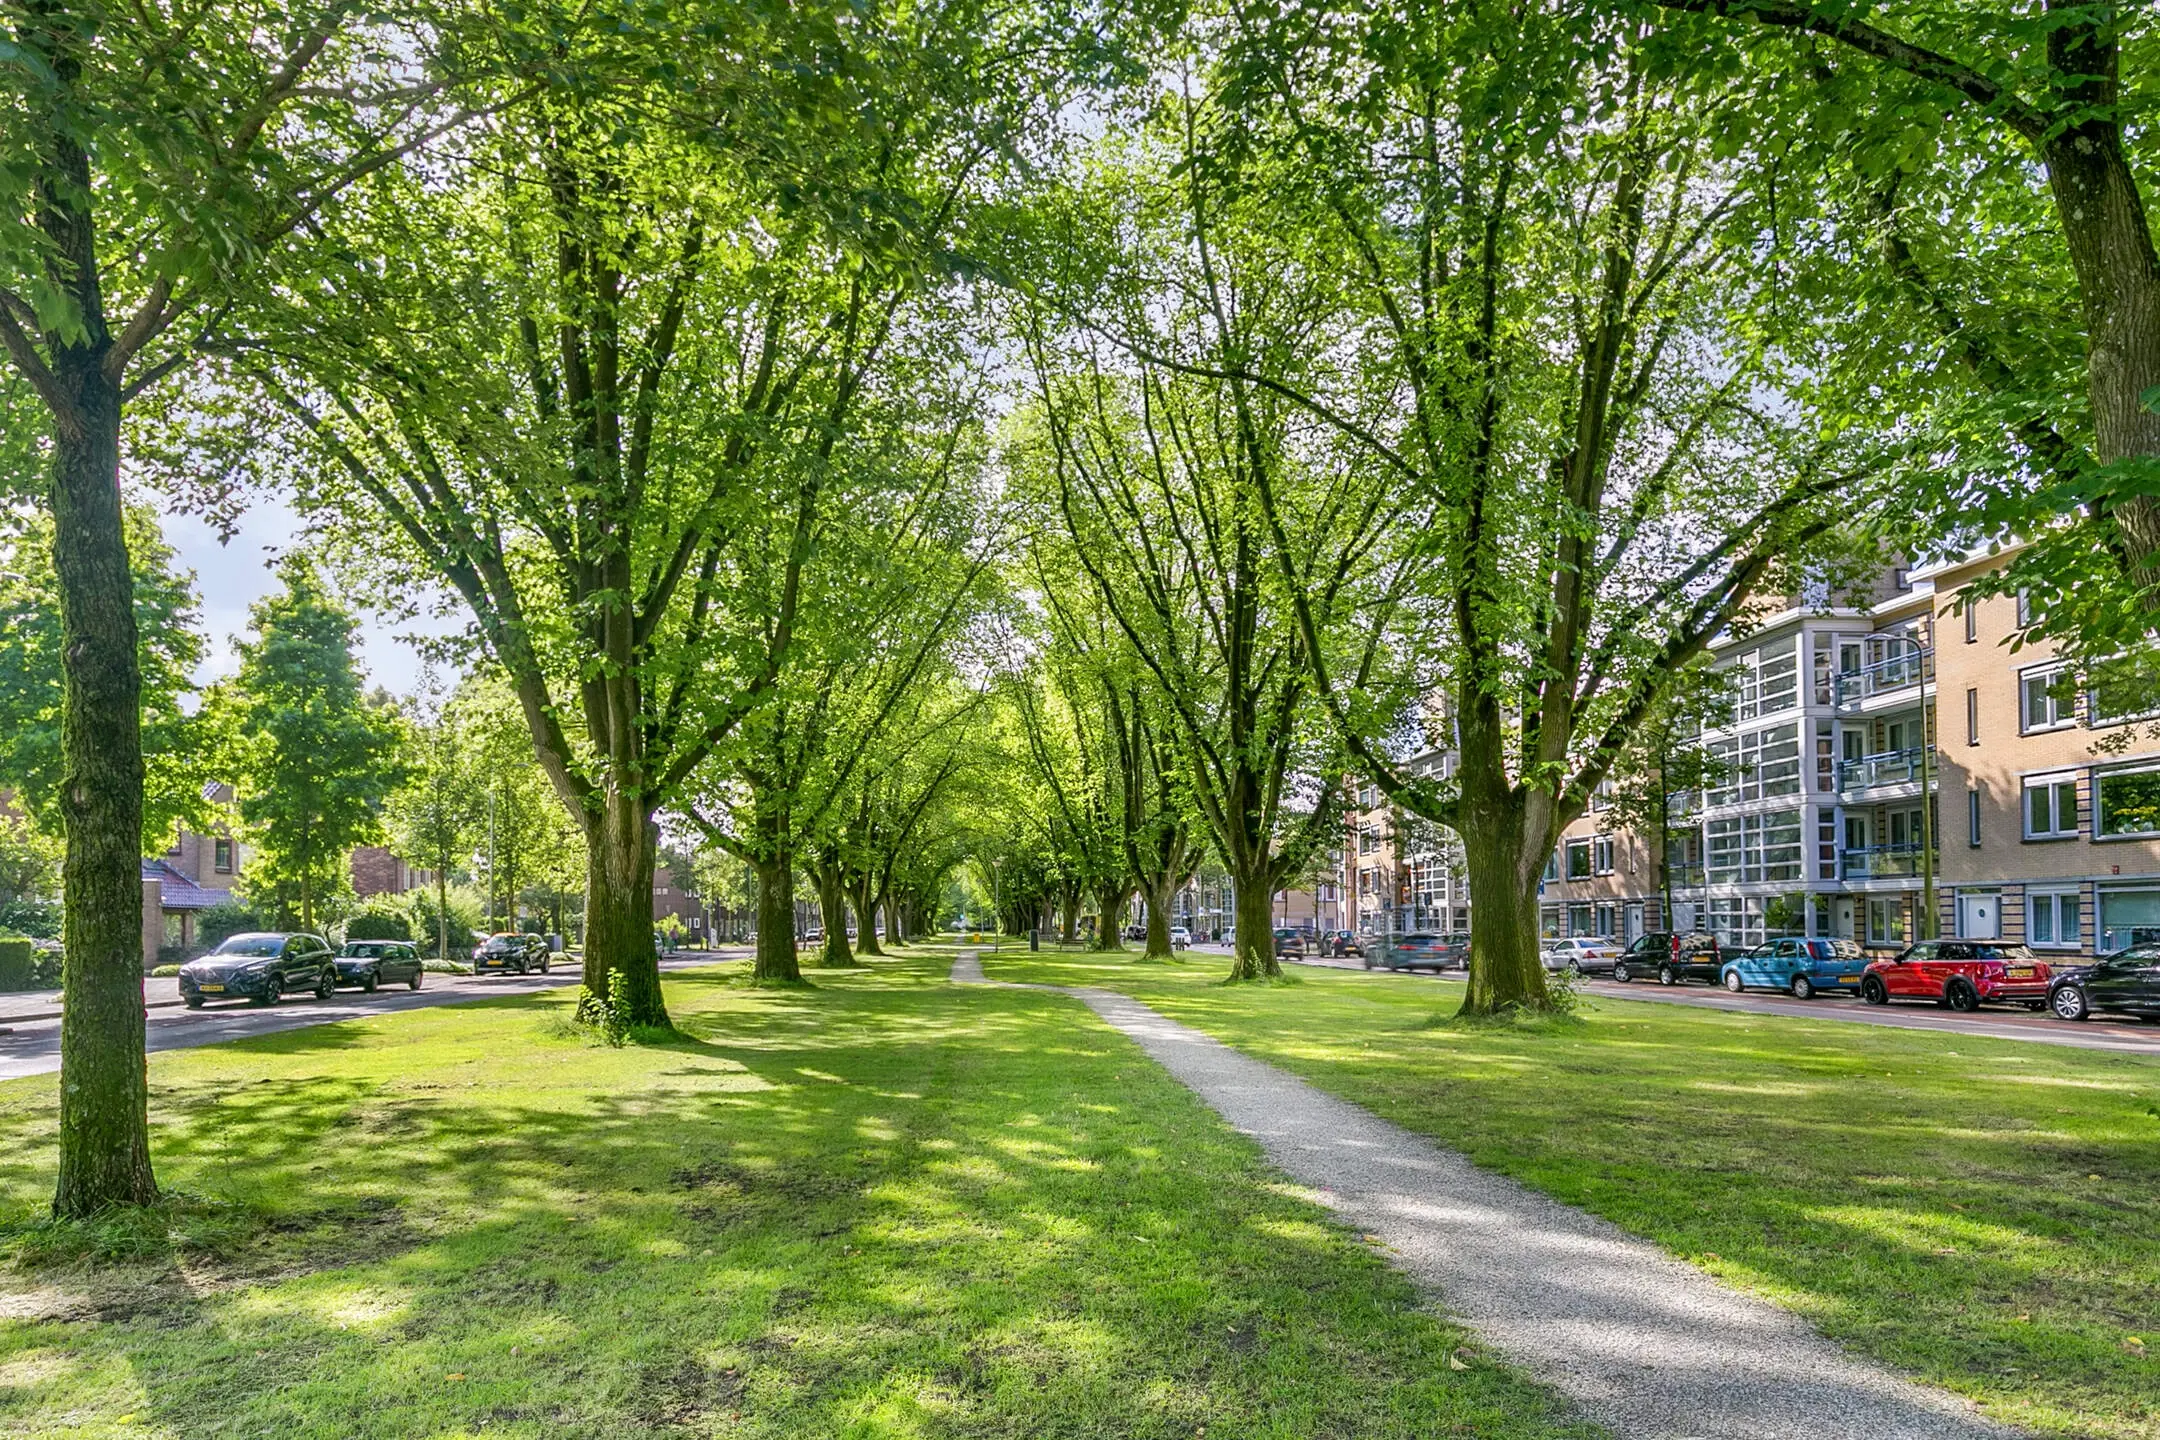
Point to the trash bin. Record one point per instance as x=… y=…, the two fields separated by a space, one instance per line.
x=1034 y=939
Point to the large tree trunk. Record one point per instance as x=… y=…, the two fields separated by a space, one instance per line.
x=1254 y=958
x=2111 y=248
x=1110 y=917
x=896 y=928
x=866 y=937
x=776 y=963
x=832 y=905
x=1068 y=914
x=104 y=1085
x=621 y=964
x=1506 y=973
x=1159 y=891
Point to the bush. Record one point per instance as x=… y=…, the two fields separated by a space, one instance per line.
x=219 y=922
x=39 y=919
x=380 y=918
x=446 y=967
x=465 y=918
x=164 y=972
x=18 y=963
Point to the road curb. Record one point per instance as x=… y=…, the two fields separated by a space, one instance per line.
x=54 y=1014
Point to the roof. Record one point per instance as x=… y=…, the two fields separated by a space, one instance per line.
x=177 y=892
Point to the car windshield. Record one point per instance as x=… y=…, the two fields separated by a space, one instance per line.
x=1841 y=949
x=496 y=944
x=255 y=945
x=2002 y=952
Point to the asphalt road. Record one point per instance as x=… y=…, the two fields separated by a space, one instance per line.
x=2128 y=1036
x=32 y=1047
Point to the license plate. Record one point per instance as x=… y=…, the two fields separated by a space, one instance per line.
x=2020 y=972
x=211 y=989
x=1848 y=979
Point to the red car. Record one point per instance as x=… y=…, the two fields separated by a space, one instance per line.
x=1962 y=974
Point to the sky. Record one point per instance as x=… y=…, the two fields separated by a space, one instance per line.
x=231 y=577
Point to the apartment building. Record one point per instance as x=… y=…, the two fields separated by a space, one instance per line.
x=2051 y=790
x=1400 y=875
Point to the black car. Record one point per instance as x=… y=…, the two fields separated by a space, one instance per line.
x=2126 y=983
x=1342 y=943
x=1290 y=944
x=519 y=954
x=262 y=967
x=1672 y=958
x=370 y=963
x=1422 y=950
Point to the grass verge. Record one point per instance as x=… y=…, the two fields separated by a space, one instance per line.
x=1983 y=1215
x=880 y=1207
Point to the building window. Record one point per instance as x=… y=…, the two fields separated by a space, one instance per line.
x=1767 y=680
x=2126 y=802
x=2115 y=701
x=1601 y=860
x=1735 y=920
x=1745 y=848
x=1972 y=717
x=2039 y=707
x=1607 y=922
x=1549 y=921
x=1552 y=866
x=2051 y=808
x=221 y=856
x=2128 y=917
x=1757 y=765
x=1972 y=623
x=1972 y=818
x=1886 y=922
x=1578 y=861
x=1578 y=919
x=2054 y=917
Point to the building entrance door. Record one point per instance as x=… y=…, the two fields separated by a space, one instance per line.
x=1979 y=916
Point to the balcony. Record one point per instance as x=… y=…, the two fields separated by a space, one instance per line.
x=1890 y=767
x=1908 y=667
x=1880 y=862
x=1685 y=877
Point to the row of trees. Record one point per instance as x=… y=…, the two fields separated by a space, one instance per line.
x=1389 y=377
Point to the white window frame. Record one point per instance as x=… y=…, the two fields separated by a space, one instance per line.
x=1766 y=680
x=2062 y=715
x=1588 y=869
x=2056 y=906
x=2052 y=786
x=2099 y=815
x=1601 y=855
x=1761 y=764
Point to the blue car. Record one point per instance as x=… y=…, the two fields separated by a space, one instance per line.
x=1802 y=966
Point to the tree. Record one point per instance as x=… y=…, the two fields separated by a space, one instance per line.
x=155 y=165
x=1665 y=768
x=313 y=761
x=169 y=647
x=430 y=817
x=1925 y=95
x=1560 y=392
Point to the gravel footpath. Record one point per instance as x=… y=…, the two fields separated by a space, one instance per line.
x=1646 y=1346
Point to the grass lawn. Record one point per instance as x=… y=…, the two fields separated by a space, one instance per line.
x=884 y=1207
x=1981 y=1214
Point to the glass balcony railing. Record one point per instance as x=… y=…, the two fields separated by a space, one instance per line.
x=1880 y=862
x=1908 y=666
x=1685 y=877
x=1890 y=767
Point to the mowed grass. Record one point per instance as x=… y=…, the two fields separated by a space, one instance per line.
x=1984 y=1215
x=882 y=1207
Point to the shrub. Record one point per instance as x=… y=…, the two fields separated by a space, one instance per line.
x=39 y=919
x=233 y=917
x=18 y=963
x=380 y=918
x=164 y=972
x=465 y=918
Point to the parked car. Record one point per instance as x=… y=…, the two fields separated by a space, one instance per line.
x=1290 y=944
x=1802 y=965
x=259 y=966
x=372 y=963
x=1962 y=974
x=1584 y=954
x=507 y=950
x=1421 y=950
x=1672 y=957
x=2126 y=983
x=1180 y=937
x=1341 y=942
x=815 y=935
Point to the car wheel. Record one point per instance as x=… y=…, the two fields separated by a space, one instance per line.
x=2069 y=1003
x=271 y=996
x=543 y=967
x=326 y=987
x=1665 y=975
x=1733 y=982
x=369 y=981
x=1874 y=992
x=193 y=1002
x=1620 y=972
x=415 y=981
x=1368 y=961
x=523 y=968
x=1802 y=988
x=1959 y=995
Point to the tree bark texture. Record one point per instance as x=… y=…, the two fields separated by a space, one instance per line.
x=832 y=906
x=1159 y=891
x=1504 y=854
x=1110 y=917
x=621 y=963
x=866 y=936
x=1255 y=955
